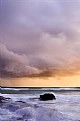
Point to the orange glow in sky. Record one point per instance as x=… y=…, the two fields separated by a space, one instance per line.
x=68 y=81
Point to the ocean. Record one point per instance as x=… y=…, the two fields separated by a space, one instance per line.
x=28 y=107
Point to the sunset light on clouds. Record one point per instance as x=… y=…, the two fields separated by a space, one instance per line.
x=40 y=43
x=69 y=81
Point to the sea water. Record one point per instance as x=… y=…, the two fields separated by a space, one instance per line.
x=66 y=107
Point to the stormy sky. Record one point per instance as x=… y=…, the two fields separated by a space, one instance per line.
x=39 y=37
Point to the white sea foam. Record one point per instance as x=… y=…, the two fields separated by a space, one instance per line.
x=66 y=107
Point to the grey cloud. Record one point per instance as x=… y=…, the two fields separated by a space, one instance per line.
x=56 y=56
x=41 y=36
x=12 y=64
x=22 y=22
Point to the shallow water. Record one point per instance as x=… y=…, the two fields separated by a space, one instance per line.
x=66 y=107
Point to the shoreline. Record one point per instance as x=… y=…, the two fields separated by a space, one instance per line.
x=29 y=107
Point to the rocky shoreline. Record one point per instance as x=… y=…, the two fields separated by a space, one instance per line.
x=29 y=109
x=25 y=112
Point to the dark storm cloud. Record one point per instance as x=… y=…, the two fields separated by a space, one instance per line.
x=41 y=36
x=12 y=64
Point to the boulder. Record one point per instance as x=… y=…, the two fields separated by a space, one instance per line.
x=47 y=96
x=2 y=99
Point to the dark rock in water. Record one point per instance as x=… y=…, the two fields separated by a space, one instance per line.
x=2 y=99
x=7 y=98
x=20 y=101
x=20 y=119
x=47 y=96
